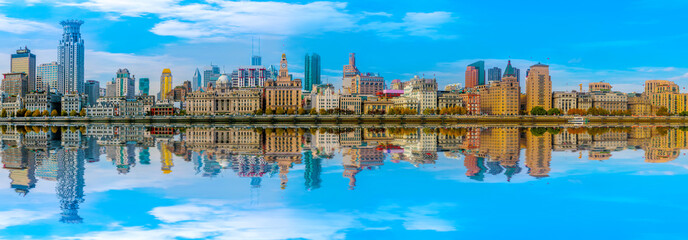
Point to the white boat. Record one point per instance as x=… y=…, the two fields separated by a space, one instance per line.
x=578 y=120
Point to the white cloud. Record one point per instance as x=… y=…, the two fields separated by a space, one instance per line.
x=18 y=217
x=20 y=26
x=226 y=19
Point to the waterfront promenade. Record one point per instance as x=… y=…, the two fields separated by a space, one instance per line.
x=356 y=120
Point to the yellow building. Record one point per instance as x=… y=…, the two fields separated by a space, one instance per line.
x=663 y=93
x=377 y=105
x=165 y=83
x=222 y=99
x=538 y=87
x=538 y=153
x=639 y=105
x=502 y=97
x=284 y=92
x=283 y=146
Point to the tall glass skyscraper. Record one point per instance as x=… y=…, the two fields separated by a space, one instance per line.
x=25 y=62
x=70 y=56
x=210 y=75
x=196 y=82
x=312 y=73
x=50 y=74
x=494 y=74
x=92 y=91
x=144 y=86
x=125 y=84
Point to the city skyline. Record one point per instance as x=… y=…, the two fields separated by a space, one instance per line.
x=616 y=54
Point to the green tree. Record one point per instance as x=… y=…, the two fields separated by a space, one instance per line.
x=290 y=111
x=63 y=113
x=3 y=113
x=313 y=111
x=683 y=114
x=302 y=111
x=280 y=111
x=537 y=110
x=428 y=111
x=72 y=113
x=82 y=112
x=36 y=113
x=259 y=112
x=663 y=111
x=269 y=111
x=28 y=113
x=553 y=111
x=323 y=111
x=538 y=131
x=53 y=113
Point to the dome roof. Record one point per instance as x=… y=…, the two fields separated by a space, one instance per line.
x=224 y=79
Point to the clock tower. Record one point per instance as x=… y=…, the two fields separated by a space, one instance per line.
x=284 y=71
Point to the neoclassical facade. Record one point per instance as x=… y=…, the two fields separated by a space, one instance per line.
x=224 y=100
x=284 y=92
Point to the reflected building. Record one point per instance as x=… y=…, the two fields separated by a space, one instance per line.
x=283 y=146
x=70 y=185
x=313 y=168
x=538 y=153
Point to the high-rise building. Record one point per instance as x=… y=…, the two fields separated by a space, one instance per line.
x=250 y=76
x=50 y=74
x=71 y=58
x=502 y=97
x=494 y=74
x=472 y=77
x=92 y=91
x=165 y=83
x=25 y=62
x=256 y=60
x=15 y=84
x=349 y=73
x=312 y=73
x=110 y=89
x=538 y=87
x=285 y=92
x=125 y=84
x=196 y=81
x=144 y=86
x=210 y=75
x=480 y=67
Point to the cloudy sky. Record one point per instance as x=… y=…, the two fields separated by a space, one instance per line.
x=622 y=42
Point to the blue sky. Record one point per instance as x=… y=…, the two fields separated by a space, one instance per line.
x=622 y=42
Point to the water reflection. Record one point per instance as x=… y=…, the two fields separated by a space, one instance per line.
x=32 y=154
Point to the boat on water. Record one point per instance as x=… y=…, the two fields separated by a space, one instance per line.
x=578 y=120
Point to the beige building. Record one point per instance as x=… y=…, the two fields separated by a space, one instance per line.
x=284 y=92
x=538 y=87
x=222 y=99
x=599 y=87
x=565 y=101
x=423 y=91
x=639 y=104
x=351 y=103
x=502 y=97
x=379 y=105
x=610 y=101
x=449 y=99
x=324 y=97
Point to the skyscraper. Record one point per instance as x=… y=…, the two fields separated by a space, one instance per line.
x=125 y=84
x=196 y=82
x=144 y=86
x=165 y=83
x=210 y=75
x=92 y=91
x=472 y=77
x=312 y=73
x=70 y=56
x=494 y=74
x=110 y=89
x=70 y=184
x=350 y=72
x=480 y=66
x=538 y=87
x=256 y=60
x=25 y=62
x=50 y=74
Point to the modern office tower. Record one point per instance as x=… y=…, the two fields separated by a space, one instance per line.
x=479 y=66
x=312 y=73
x=285 y=92
x=494 y=74
x=15 y=84
x=197 y=81
x=538 y=87
x=250 y=76
x=125 y=84
x=349 y=73
x=70 y=56
x=49 y=74
x=92 y=91
x=165 y=83
x=256 y=60
x=210 y=75
x=144 y=86
x=518 y=74
x=110 y=89
x=25 y=62
x=70 y=184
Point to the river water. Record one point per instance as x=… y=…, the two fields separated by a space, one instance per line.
x=138 y=182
